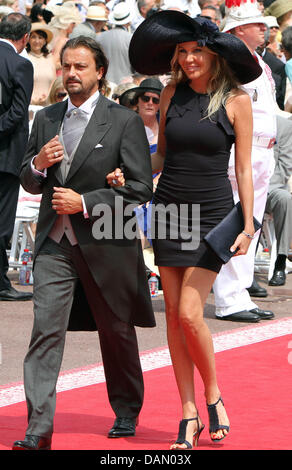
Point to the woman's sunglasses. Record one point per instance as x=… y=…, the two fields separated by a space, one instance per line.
x=146 y=99
x=61 y=95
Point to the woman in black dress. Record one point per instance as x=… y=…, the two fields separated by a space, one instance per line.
x=202 y=113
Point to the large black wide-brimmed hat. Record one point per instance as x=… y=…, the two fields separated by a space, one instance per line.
x=153 y=44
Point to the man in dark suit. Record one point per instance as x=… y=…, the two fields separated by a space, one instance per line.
x=82 y=271
x=279 y=201
x=16 y=83
x=279 y=75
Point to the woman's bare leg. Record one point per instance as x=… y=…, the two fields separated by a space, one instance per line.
x=183 y=366
x=189 y=338
x=196 y=286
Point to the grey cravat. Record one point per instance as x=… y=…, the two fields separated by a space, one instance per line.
x=74 y=125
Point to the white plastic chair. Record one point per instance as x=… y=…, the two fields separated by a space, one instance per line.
x=23 y=234
x=32 y=109
x=265 y=262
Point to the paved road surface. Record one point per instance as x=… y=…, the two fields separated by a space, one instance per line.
x=82 y=348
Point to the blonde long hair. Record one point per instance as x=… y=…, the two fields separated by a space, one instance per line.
x=220 y=85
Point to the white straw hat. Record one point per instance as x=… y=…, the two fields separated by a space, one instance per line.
x=271 y=21
x=64 y=15
x=42 y=27
x=247 y=12
x=4 y=9
x=121 y=14
x=96 y=13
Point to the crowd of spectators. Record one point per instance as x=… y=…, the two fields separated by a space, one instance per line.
x=112 y=24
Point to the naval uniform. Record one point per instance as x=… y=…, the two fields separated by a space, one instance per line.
x=230 y=287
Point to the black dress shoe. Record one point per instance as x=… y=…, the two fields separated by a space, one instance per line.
x=255 y=290
x=278 y=278
x=243 y=316
x=263 y=314
x=31 y=442
x=123 y=427
x=13 y=294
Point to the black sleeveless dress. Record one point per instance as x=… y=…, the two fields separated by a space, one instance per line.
x=194 y=193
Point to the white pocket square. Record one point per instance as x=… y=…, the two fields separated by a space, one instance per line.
x=98 y=146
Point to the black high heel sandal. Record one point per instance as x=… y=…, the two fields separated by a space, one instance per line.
x=215 y=426
x=181 y=439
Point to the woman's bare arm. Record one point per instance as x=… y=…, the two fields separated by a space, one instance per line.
x=239 y=111
x=157 y=158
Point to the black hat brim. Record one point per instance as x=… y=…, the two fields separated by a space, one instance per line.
x=153 y=85
x=153 y=44
x=143 y=89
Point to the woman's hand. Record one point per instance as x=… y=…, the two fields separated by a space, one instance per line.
x=241 y=244
x=116 y=178
x=155 y=181
x=39 y=100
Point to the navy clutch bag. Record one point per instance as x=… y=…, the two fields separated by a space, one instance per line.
x=222 y=237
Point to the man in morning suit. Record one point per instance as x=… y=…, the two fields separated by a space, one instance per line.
x=87 y=275
x=16 y=83
x=279 y=201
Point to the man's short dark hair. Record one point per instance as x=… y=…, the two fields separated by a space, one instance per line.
x=213 y=8
x=140 y=4
x=94 y=47
x=287 y=39
x=14 y=26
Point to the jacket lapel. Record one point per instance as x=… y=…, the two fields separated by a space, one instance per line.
x=55 y=117
x=95 y=130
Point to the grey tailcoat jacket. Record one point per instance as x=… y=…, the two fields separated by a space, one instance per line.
x=114 y=137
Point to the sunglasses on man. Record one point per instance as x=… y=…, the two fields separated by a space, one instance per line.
x=146 y=99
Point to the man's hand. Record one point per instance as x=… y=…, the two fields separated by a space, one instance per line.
x=50 y=154
x=66 y=201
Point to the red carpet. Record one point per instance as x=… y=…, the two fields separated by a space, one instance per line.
x=255 y=381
